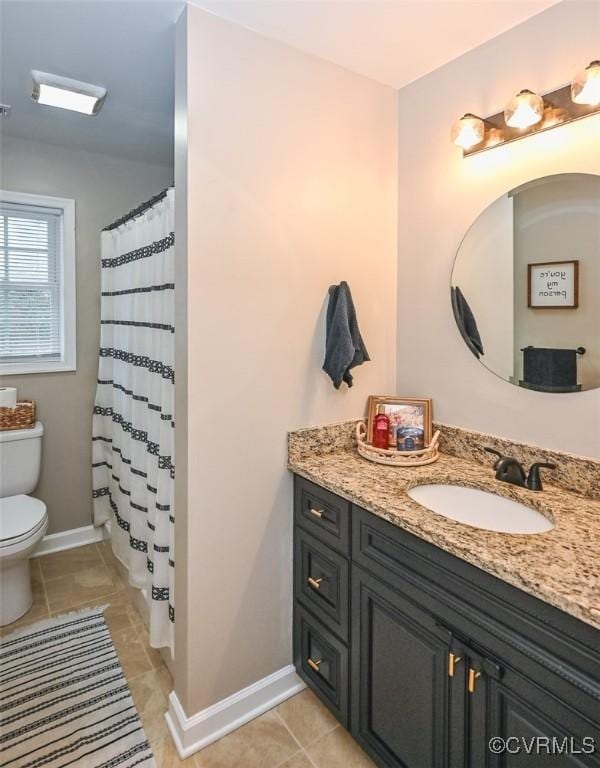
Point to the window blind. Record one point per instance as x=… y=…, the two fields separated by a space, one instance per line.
x=30 y=283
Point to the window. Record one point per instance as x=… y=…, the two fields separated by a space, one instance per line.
x=37 y=283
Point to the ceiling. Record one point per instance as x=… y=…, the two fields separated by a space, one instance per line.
x=126 y=46
x=392 y=41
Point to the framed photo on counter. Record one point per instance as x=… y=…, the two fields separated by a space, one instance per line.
x=410 y=420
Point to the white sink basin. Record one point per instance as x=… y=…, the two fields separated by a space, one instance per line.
x=480 y=509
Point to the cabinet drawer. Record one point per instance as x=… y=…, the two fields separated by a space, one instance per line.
x=324 y=514
x=321 y=582
x=321 y=660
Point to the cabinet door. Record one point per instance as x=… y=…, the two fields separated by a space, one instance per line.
x=400 y=682
x=535 y=727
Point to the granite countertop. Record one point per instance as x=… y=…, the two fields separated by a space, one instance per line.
x=561 y=566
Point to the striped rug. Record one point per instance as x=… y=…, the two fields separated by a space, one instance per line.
x=64 y=700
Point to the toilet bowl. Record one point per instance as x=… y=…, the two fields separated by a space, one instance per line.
x=23 y=519
x=23 y=523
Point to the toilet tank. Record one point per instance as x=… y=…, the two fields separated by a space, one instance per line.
x=20 y=460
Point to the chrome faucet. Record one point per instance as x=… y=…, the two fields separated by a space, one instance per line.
x=510 y=470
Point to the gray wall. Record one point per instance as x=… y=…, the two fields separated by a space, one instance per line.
x=103 y=188
x=572 y=231
x=441 y=194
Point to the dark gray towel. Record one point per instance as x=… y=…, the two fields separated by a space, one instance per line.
x=466 y=321
x=344 y=347
x=545 y=367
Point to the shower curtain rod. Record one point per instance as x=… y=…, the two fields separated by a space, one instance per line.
x=138 y=211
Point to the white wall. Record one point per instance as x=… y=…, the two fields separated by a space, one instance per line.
x=183 y=588
x=291 y=187
x=103 y=188
x=440 y=194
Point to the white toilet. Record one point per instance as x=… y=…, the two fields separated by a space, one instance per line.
x=23 y=519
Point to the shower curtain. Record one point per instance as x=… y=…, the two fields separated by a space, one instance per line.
x=133 y=422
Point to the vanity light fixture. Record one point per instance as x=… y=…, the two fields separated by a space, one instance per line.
x=65 y=93
x=468 y=131
x=524 y=110
x=585 y=88
x=528 y=113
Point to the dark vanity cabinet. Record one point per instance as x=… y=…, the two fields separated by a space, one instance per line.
x=401 y=696
x=425 y=658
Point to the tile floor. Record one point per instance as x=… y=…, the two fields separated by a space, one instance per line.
x=300 y=733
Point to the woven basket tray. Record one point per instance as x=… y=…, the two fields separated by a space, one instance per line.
x=21 y=417
x=396 y=458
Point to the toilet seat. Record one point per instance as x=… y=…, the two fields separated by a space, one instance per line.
x=21 y=517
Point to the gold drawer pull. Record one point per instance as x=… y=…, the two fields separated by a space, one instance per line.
x=316 y=512
x=314 y=664
x=314 y=583
x=452 y=662
x=473 y=675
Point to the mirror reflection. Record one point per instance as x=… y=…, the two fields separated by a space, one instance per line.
x=526 y=285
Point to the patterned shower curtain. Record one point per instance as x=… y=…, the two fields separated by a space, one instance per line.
x=133 y=422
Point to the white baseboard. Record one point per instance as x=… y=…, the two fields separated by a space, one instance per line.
x=191 y=734
x=76 y=537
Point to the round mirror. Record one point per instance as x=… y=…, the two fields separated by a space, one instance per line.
x=526 y=285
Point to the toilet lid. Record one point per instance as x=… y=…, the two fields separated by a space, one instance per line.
x=20 y=516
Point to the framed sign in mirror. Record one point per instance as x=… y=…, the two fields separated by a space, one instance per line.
x=553 y=285
x=533 y=251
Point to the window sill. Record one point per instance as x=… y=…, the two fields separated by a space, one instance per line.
x=20 y=369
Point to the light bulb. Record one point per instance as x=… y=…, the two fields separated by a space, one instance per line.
x=468 y=131
x=585 y=88
x=524 y=110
